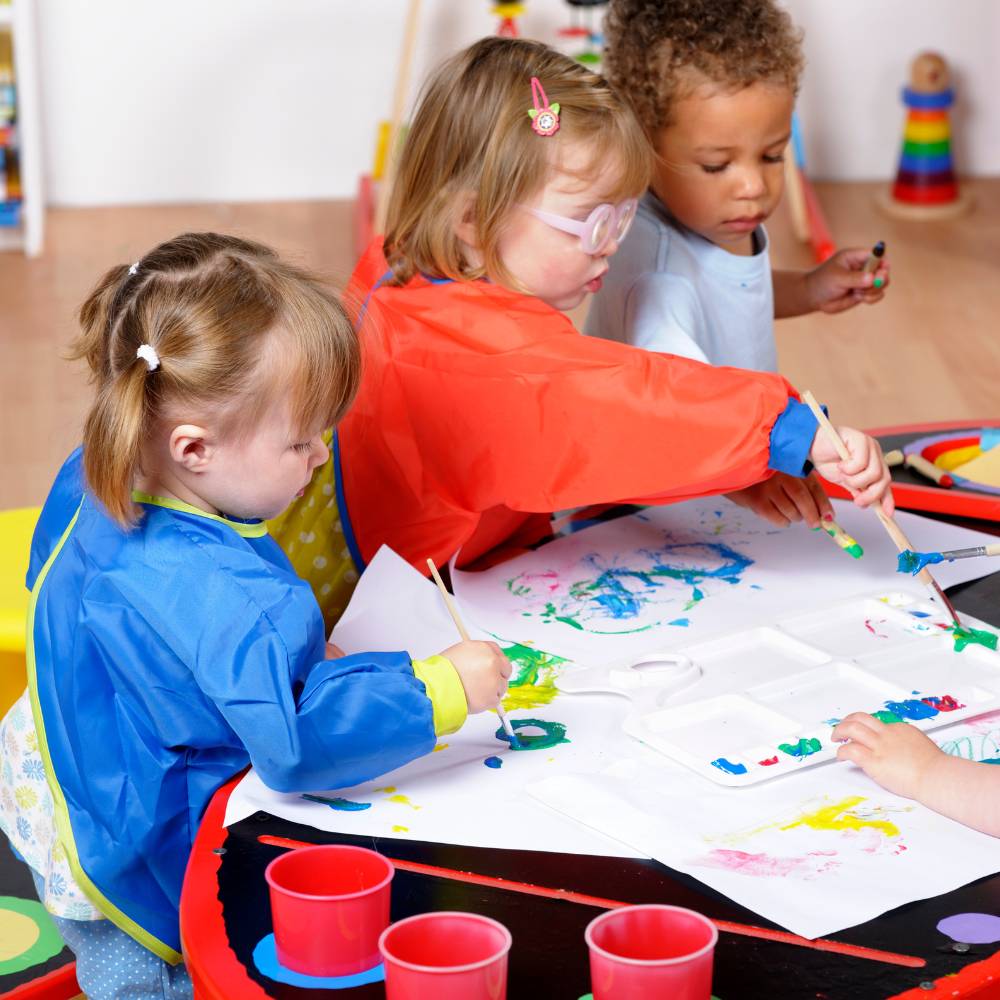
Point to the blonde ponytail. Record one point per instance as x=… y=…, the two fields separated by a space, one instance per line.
x=205 y=306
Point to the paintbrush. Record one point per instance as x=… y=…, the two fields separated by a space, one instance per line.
x=914 y=562
x=453 y=611
x=842 y=538
x=927 y=468
x=895 y=532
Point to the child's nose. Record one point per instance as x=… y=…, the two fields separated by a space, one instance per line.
x=609 y=248
x=752 y=184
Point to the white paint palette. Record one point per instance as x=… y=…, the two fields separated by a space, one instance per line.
x=760 y=703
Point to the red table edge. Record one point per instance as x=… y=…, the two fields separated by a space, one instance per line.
x=59 y=984
x=214 y=969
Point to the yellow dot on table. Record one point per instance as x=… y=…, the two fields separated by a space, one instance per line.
x=441 y=746
x=400 y=829
x=28 y=937
x=17 y=934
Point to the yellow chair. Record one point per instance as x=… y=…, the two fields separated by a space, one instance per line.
x=16 y=527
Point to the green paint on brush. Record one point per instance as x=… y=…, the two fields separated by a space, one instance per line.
x=973 y=637
x=914 y=562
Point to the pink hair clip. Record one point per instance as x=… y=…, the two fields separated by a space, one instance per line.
x=544 y=116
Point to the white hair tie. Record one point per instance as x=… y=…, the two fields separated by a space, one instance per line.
x=134 y=268
x=146 y=352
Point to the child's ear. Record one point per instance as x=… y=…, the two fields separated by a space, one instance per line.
x=190 y=447
x=465 y=220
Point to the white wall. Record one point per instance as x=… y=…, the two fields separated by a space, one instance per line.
x=858 y=55
x=235 y=100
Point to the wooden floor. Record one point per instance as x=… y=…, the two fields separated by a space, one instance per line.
x=930 y=351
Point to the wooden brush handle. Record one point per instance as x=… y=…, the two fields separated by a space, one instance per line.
x=895 y=532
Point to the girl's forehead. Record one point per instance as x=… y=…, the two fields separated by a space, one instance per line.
x=578 y=171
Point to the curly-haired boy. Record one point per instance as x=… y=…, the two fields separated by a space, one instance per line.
x=713 y=83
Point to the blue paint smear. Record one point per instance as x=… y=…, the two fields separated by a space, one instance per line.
x=341 y=805
x=684 y=622
x=920 y=614
x=265 y=957
x=612 y=590
x=992 y=760
x=756 y=586
x=730 y=768
x=912 y=709
x=914 y=562
x=493 y=762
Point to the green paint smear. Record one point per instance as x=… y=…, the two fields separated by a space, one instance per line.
x=887 y=717
x=804 y=748
x=973 y=637
x=550 y=614
x=533 y=682
x=552 y=734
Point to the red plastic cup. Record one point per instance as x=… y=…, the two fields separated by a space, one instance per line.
x=637 y=952
x=329 y=904
x=447 y=956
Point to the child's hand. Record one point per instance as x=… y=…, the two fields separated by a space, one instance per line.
x=483 y=670
x=840 y=283
x=898 y=756
x=334 y=652
x=864 y=474
x=783 y=499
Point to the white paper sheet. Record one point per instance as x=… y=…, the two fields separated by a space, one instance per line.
x=671 y=575
x=451 y=796
x=815 y=852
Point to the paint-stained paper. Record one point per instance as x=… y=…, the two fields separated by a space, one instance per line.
x=471 y=789
x=815 y=852
x=672 y=575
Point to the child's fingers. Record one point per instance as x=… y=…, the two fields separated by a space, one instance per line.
x=853 y=258
x=888 y=502
x=823 y=506
x=787 y=502
x=858 y=448
x=806 y=509
x=856 y=753
x=865 y=719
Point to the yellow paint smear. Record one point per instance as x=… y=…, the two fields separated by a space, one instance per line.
x=839 y=817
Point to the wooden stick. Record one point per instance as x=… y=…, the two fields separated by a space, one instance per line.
x=453 y=611
x=895 y=532
x=796 y=199
x=398 y=105
x=929 y=469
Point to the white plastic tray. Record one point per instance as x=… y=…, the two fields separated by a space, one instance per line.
x=763 y=702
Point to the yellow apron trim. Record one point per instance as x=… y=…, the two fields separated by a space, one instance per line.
x=63 y=826
x=445 y=690
x=246 y=530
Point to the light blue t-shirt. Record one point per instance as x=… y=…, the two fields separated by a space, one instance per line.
x=672 y=290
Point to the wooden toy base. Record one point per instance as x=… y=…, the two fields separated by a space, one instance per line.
x=924 y=213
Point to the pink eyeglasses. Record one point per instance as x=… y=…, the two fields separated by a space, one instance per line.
x=605 y=223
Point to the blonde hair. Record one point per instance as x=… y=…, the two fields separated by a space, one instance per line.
x=235 y=330
x=471 y=133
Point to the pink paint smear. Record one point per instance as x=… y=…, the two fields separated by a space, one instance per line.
x=766 y=866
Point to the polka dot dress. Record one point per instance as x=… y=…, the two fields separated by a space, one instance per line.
x=312 y=536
